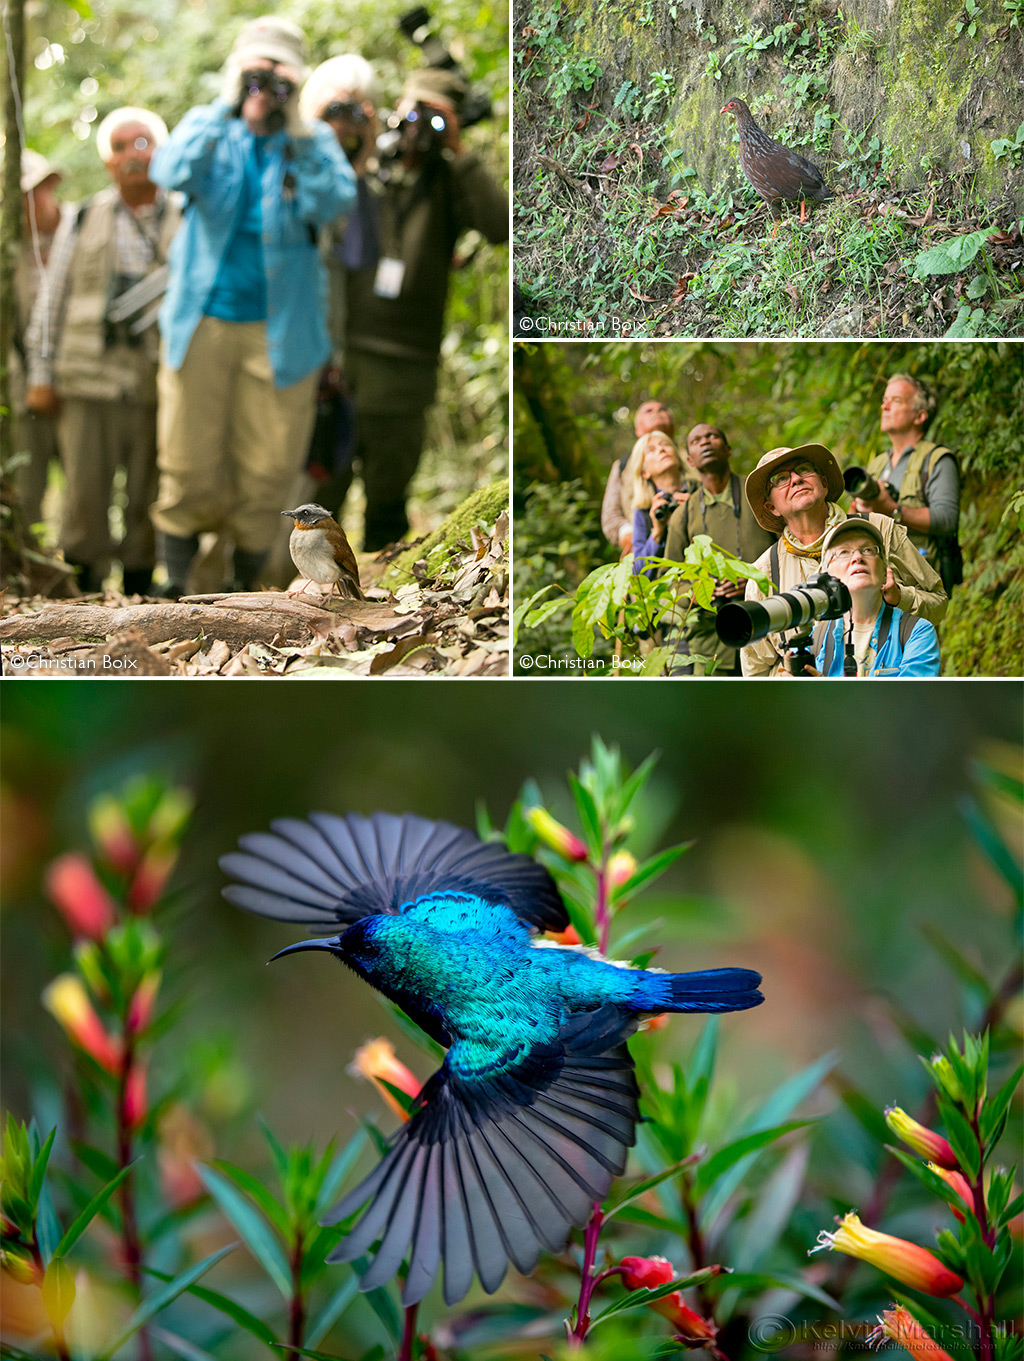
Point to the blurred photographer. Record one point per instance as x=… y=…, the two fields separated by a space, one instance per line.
x=388 y=306
x=875 y=639
x=95 y=374
x=244 y=322
x=794 y=493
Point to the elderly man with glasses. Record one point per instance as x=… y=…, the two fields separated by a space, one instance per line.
x=795 y=493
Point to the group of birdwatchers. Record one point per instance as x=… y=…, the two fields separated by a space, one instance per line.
x=895 y=549
x=252 y=311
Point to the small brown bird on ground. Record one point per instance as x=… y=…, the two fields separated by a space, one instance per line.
x=778 y=174
x=321 y=551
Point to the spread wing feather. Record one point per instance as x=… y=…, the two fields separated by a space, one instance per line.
x=330 y=870
x=492 y=1170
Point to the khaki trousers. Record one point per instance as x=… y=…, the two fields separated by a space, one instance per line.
x=230 y=443
x=96 y=438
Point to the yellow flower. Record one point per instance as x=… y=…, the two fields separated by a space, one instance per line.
x=914 y=1266
x=376 y=1060
x=66 y=999
x=556 y=836
x=921 y=1139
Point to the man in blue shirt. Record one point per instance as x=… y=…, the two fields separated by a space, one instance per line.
x=244 y=320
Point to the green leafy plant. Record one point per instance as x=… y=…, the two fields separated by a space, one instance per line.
x=1005 y=148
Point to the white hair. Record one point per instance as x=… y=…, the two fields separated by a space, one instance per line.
x=348 y=74
x=155 y=124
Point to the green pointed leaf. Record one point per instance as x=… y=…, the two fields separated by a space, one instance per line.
x=637 y=1299
x=931 y=1179
x=98 y=1162
x=225 y=1305
x=590 y=819
x=757 y=1281
x=277 y=1152
x=994 y=1110
x=724 y=1158
x=35 y=1185
x=633 y=1214
x=632 y=786
x=90 y=1212
x=999 y=781
x=58 y=1292
x=649 y=871
x=253 y=1228
x=257 y=1192
x=338 y=1171
x=332 y=1310
x=160 y=1299
x=957 y=962
x=641 y=1188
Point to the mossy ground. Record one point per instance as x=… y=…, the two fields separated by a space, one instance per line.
x=482 y=508
x=631 y=217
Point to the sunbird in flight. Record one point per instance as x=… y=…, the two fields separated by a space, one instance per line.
x=531 y=1114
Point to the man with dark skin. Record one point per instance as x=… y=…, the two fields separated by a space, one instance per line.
x=718 y=509
x=924 y=475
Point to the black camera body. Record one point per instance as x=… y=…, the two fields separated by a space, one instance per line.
x=745 y=621
x=415 y=25
x=859 y=482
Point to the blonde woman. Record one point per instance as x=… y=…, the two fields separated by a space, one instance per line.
x=656 y=481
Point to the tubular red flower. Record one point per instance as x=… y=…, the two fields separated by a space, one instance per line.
x=647 y=1273
x=914 y=1266
x=556 y=836
x=84 y=903
x=151 y=878
x=900 y=1326
x=140 y=1009
x=135 y=1106
x=113 y=835
x=921 y=1139
x=959 y=1183
x=66 y=999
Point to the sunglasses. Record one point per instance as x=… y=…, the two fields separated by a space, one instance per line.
x=260 y=82
x=338 y=108
x=777 y=479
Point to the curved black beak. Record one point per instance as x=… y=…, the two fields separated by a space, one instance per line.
x=325 y=943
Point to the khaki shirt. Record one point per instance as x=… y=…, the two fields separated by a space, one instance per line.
x=920 y=590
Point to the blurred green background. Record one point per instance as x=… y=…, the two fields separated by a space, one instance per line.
x=826 y=823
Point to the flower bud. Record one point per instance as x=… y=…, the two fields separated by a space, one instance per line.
x=151 y=878
x=376 y=1060
x=140 y=1008
x=19 y=1266
x=621 y=868
x=921 y=1139
x=66 y=999
x=906 y=1262
x=553 y=834
x=647 y=1273
x=172 y=813
x=84 y=903
x=113 y=835
x=135 y=1107
x=948 y=1080
x=958 y=1183
x=89 y=963
x=900 y=1326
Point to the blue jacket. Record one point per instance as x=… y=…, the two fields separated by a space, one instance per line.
x=646 y=548
x=205 y=158
x=918 y=657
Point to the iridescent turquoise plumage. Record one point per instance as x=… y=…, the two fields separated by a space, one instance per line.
x=534 y=1109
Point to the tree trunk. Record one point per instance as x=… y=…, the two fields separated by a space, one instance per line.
x=10 y=227
x=548 y=443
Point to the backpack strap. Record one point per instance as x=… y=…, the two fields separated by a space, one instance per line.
x=774 y=569
x=907 y=625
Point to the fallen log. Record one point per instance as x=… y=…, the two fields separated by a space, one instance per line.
x=259 y=616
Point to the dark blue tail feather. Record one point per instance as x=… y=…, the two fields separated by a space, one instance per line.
x=705 y=990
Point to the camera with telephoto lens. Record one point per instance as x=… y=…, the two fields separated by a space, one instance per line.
x=859 y=482
x=663 y=510
x=745 y=621
x=415 y=24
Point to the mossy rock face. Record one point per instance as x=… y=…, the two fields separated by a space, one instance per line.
x=898 y=70
x=483 y=507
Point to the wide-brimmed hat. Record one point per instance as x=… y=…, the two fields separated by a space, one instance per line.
x=119 y=118
x=276 y=40
x=853 y=524
x=36 y=170
x=433 y=85
x=756 y=485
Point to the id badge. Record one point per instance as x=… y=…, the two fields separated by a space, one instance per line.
x=388 y=281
